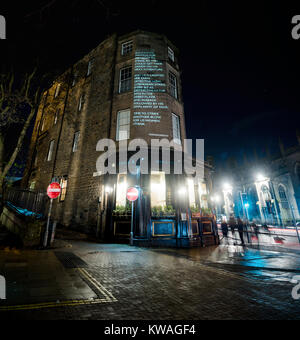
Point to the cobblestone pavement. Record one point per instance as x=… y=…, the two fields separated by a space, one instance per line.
x=115 y=282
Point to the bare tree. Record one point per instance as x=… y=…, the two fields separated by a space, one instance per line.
x=18 y=103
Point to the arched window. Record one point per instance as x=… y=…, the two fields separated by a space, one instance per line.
x=266 y=193
x=283 y=197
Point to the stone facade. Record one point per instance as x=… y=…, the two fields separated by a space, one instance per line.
x=88 y=99
x=96 y=120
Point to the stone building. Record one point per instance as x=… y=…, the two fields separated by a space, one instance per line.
x=266 y=189
x=127 y=88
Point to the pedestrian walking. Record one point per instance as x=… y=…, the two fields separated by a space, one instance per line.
x=241 y=228
x=255 y=228
x=232 y=225
x=224 y=227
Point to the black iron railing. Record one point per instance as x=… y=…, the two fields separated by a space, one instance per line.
x=30 y=201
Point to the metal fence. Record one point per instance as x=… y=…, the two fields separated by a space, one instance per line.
x=32 y=201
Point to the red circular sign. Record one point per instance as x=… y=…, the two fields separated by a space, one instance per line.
x=54 y=190
x=132 y=194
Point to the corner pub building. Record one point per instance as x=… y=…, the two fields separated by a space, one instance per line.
x=127 y=88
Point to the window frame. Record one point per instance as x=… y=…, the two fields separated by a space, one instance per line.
x=50 y=150
x=171 y=54
x=74 y=79
x=57 y=90
x=90 y=67
x=57 y=112
x=118 y=130
x=129 y=80
x=81 y=102
x=177 y=127
x=125 y=46
x=64 y=186
x=162 y=189
x=173 y=88
x=76 y=141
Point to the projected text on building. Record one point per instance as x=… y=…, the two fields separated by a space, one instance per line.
x=149 y=84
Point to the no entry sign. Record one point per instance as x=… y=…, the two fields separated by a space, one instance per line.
x=132 y=194
x=54 y=190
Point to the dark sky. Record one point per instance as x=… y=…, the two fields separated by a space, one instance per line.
x=241 y=67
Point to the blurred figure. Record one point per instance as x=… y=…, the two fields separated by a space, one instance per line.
x=232 y=225
x=224 y=227
x=241 y=228
x=255 y=228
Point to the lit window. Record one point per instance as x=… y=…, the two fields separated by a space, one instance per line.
x=50 y=152
x=43 y=124
x=75 y=76
x=125 y=79
x=171 y=54
x=192 y=196
x=158 y=189
x=121 y=191
x=127 y=48
x=63 y=185
x=81 y=102
x=173 y=85
x=76 y=141
x=32 y=185
x=90 y=67
x=123 y=125
x=57 y=90
x=56 y=116
x=176 y=128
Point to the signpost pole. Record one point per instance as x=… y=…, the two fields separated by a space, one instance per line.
x=48 y=223
x=132 y=196
x=53 y=191
x=132 y=220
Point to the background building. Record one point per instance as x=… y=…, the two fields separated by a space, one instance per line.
x=129 y=87
x=265 y=189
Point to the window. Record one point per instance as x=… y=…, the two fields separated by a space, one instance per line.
x=57 y=90
x=191 y=191
x=63 y=185
x=171 y=54
x=125 y=79
x=43 y=124
x=282 y=193
x=76 y=141
x=283 y=197
x=173 y=85
x=56 y=116
x=158 y=189
x=81 y=102
x=122 y=187
x=50 y=151
x=176 y=128
x=123 y=125
x=75 y=76
x=90 y=67
x=127 y=47
x=32 y=185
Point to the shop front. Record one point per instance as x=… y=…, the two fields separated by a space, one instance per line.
x=171 y=211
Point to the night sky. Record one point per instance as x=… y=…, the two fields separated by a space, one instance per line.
x=241 y=67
